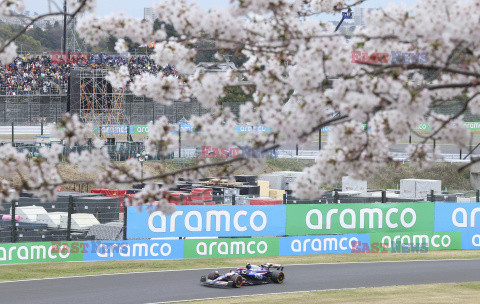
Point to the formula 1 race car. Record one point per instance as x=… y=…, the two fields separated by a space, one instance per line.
x=250 y=275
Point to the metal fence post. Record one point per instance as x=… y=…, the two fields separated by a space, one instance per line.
x=41 y=127
x=131 y=113
x=125 y=212
x=384 y=196
x=69 y=220
x=478 y=196
x=176 y=110
x=14 y=224
x=233 y=200
x=319 y=140
x=335 y=197
x=432 y=196
x=153 y=114
x=13 y=133
x=284 y=198
x=179 y=141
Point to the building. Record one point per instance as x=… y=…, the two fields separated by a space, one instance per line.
x=148 y=14
x=347 y=28
x=50 y=20
x=42 y=23
x=209 y=67
x=359 y=15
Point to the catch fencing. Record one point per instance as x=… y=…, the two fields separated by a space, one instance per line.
x=99 y=215
x=121 y=151
x=48 y=108
x=283 y=230
x=85 y=216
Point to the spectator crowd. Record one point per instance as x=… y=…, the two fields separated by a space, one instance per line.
x=39 y=75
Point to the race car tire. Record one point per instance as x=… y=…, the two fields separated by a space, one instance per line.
x=213 y=275
x=237 y=280
x=278 y=277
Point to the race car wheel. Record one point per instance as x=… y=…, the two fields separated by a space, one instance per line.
x=213 y=275
x=278 y=277
x=237 y=280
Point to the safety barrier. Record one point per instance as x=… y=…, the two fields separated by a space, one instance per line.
x=255 y=231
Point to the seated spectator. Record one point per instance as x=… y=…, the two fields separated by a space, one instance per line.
x=39 y=75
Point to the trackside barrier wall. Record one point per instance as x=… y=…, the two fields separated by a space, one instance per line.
x=208 y=221
x=133 y=250
x=271 y=231
x=40 y=252
x=359 y=218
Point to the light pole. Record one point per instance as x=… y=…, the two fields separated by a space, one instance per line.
x=64 y=46
x=345 y=15
x=141 y=158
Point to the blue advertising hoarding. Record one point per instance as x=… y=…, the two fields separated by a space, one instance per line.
x=321 y=244
x=133 y=250
x=457 y=216
x=208 y=221
x=471 y=239
x=254 y=128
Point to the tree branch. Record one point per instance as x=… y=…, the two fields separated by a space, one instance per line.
x=33 y=20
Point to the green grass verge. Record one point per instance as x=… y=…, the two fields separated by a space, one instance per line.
x=51 y=270
x=412 y=294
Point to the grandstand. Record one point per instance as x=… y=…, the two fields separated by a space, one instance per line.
x=36 y=89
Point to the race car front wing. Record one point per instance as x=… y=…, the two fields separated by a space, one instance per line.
x=215 y=283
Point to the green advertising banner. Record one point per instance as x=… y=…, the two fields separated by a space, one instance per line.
x=143 y=129
x=107 y=130
x=426 y=126
x=227 y=248
x=472 y=125
x=41 y=252
x=424 y=240
x=359 y=218
x=468 y=125
x=423 y=126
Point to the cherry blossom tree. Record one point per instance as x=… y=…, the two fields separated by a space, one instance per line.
x=299 y=71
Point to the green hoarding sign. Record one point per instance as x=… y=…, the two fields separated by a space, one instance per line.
x=110 y=130
x=359 y=218
x=41 y=252
x=397 y=242
x=226 y=248
x=426 y=126
x=468 y=125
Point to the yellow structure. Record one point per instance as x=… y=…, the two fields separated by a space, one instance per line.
x=264 y=188
x=276 y=194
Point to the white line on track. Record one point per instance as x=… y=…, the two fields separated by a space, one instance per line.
x=303 y=291
x=254 y=295
x=226 y=267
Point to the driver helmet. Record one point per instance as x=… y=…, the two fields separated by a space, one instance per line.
x=249 y=266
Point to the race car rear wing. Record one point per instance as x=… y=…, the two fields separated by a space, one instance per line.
x=272 y=265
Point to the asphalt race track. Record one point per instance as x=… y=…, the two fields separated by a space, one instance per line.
x=157 y=287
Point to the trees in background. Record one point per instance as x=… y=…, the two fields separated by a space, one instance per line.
x=301 y=76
